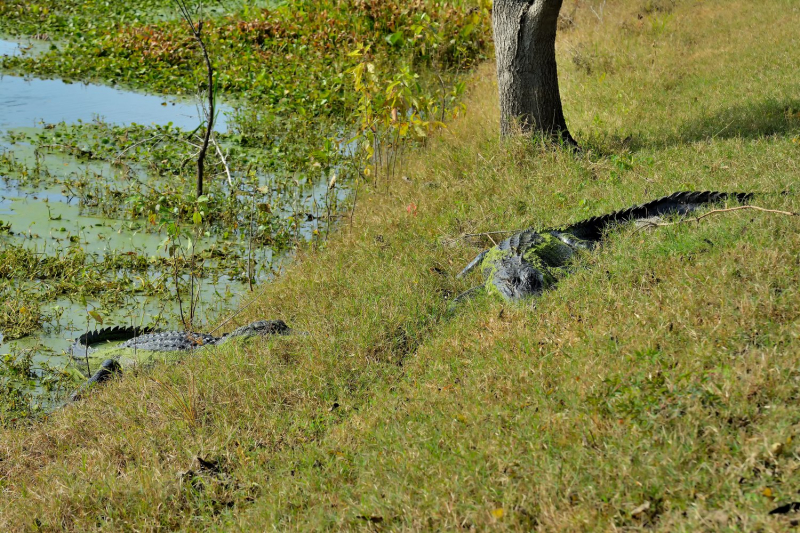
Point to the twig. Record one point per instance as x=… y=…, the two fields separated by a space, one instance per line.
x=488 y=233
x=192 y=304
x=175 y=259
x=448 y=242
x=222 y=158
x=120 y=154
x=725 y=127
x=601 y=8
x=395 y=153
x=250 y=242
x=726 y=210
x=242 y=308
x=328 y=195
x=355 y=199
x=187 y=141
x=86 y=345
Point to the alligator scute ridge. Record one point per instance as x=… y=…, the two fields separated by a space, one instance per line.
x=530 y=261
x=115 y=333
x=681 y=202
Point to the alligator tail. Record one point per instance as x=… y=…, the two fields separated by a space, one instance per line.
x=116 y=333
x=681 y=202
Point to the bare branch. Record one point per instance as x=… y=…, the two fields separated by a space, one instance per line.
x=196 y=29
x=727 y=210
x=224 y=161
x=120 y=154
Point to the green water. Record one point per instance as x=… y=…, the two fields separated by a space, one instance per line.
x=48 y=217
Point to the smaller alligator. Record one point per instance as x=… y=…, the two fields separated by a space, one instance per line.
x=531 y=261
x=145 y=346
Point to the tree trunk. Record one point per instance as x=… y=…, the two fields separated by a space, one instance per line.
x=527 y=77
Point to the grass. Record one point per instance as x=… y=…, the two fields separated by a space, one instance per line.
x=654 y=388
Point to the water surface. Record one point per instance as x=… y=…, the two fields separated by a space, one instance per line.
x=26 y=102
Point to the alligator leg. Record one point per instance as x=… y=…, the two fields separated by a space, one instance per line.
x=107 y=370
x=467 y=294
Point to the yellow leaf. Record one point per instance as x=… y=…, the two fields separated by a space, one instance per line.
x=767 y=492
x=498 y=513
x=96 y=316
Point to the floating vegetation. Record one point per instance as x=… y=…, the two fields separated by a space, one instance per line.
x=141 y=172
x=30 y=388
x=18 y=318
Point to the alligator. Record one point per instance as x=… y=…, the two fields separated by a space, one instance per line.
x=531 y=261
x=144 y=346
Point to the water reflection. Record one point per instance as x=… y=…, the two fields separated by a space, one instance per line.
x=9 y=48
x=24 y=102
x=27 y=102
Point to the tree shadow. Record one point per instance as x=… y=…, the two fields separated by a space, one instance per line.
x=749 y=120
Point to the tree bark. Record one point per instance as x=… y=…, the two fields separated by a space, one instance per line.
x=527 y=77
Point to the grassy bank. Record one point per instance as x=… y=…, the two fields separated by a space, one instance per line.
x=656 y=387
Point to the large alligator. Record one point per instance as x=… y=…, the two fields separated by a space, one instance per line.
x=531 y=261
x=143 y=346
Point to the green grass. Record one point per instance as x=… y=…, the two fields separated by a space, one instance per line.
x=654 y=388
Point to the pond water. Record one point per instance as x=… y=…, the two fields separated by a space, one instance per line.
x=49 y=220
x=9 y=48
x=30 y=101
